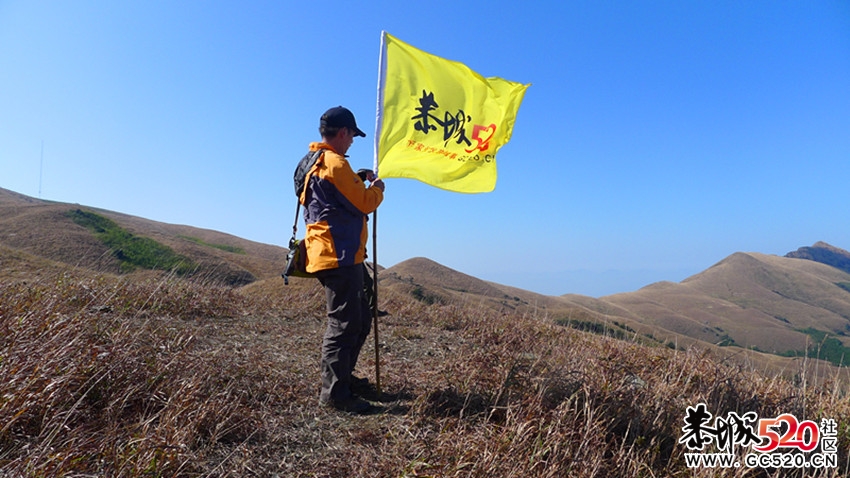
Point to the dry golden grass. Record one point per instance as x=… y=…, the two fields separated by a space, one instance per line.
x=107 y=376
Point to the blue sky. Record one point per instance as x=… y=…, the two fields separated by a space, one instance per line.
x=657 y=138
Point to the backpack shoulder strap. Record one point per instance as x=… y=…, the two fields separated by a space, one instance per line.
x=300 y=178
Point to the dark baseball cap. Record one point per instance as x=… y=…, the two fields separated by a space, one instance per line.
x=338 y=117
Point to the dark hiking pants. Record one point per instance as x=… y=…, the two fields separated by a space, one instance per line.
x=349 y=323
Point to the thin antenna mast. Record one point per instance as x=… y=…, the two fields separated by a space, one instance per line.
x=41 y=169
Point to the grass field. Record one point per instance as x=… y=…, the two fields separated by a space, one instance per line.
x=156 y=375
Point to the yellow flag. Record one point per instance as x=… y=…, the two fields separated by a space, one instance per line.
x=439 y=121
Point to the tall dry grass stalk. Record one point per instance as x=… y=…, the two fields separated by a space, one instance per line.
x=167 y=377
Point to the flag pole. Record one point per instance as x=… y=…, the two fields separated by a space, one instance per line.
x=375 y=303
x=379 y=118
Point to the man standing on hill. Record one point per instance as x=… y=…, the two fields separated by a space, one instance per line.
x=336 y=204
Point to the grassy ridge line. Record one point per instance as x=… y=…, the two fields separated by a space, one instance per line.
x=132 y=251
x=165 y=377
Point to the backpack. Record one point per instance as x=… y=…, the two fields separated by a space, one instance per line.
x=296 y=258
x=304 y=167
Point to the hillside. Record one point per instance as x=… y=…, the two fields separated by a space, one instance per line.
x=48 y=230
x=114 y=369
x=130 y=377
x=782 y=306
x=431 y=282
x=764 y=309
x=773 y=304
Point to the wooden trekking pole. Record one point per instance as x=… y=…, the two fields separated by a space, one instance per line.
x=375 y=302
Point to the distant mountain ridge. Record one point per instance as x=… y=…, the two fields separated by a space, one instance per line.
x=825 y=254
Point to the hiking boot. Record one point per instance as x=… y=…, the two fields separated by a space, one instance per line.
x=354 y=405
x=361 y=387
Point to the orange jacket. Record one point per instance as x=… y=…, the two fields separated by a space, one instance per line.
x=336 y=204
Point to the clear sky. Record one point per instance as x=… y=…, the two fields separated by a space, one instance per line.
x=657 y=138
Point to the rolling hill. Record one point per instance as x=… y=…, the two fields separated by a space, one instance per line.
x=750 y=302
x=65 y=234
x=793 y=306
x=773 y=304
